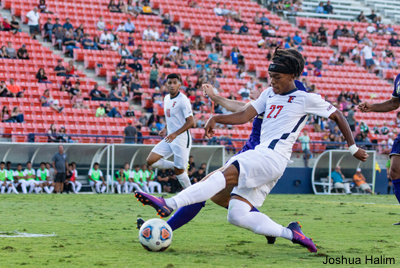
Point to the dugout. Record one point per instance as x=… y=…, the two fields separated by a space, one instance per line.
x=328 y=160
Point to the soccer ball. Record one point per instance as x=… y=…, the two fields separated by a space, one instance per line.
x=155 y=235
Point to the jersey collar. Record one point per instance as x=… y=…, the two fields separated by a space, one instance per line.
x=289 y=92
x=176 y=95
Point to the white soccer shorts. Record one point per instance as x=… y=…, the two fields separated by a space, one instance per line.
x=181 y=153
x=260 y=170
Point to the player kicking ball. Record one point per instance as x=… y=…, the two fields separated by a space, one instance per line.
x=286 y=112
x=186 y=214
x=179 y=119
x=384 y=107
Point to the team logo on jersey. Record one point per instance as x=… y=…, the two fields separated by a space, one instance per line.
x=173 y=105
x=291 y=98
x=329 y=108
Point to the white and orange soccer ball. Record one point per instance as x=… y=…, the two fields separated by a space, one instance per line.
x=155 y=235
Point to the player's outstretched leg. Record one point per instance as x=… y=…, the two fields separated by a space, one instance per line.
x=185 y=215
x=395 y=176
x=240 y=215
x=300 y=238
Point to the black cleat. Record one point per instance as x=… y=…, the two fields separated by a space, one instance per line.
x=139 y=223
x=271 y=239
x=397 y=223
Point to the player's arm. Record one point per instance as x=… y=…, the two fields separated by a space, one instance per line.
x=230 y=119
x=383 y=107
x=54 y=167
x=344 y=127
x=230 y=105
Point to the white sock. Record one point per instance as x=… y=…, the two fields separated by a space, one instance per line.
x=103 y=188
x=47 y=189
x=23 y=187
x=118 y=188
x=32 y=187
x=198 y=192
x=51 y=189
x=184 y=180
x=3 y=189
x=239 y=214
x=163 y=164
x=78 y=187
x=37 y=189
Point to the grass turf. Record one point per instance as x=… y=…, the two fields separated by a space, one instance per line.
x=99 y=230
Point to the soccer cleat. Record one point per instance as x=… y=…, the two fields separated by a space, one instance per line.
x=300 y=238
x=397 y=223
x=156 y=202
x=139 y=223
x=271 y=239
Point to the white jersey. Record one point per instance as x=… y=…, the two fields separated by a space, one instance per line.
x=285 y=116
x=176 y=111
x=39 y=173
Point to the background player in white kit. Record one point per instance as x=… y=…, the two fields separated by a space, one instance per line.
x=179 y=119
x=254 y=173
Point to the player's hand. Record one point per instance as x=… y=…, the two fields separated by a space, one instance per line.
x=365 y=107
x=209 y=128
x=55 y=172
x=361 y=155
x=162 y=132
x=208 y=90
x=254 y=94
x=171 y=137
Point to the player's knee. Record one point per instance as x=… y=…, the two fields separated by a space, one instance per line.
x=150 y=161
x=235 y=218
x=178 y=171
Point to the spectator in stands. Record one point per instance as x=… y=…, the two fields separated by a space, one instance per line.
x=317 y=63
x=371 y=28
x=322 y=33
x=67 y=25
x=305 y=146
x=87 y=43
x=147 y=33
x=372 y=17
x=15 y=90
x=47 y=101
x=6 y=25
x=70 y=69
x=106 y=37
x=130 y=132
x=114 y=96
x=297 y=39
x=154 y=72
x=393 y=64
x=355 y=54
x=121 y=28
x=11 y=52
x=337 y=33
x=138 y=53
x=360 y=181
x=257 y=20
x=227 y=28
x=48 y=29
x=112 y=7
x=328 y=8
x=43 y=7
x=172 y=29
x=3 y=52
x=147 y=9
x=130 y=113
x=121 y=6
x=235 y=55
x=59 y=36
x=155 y=36
x=384 y=130
x=202 y=44
x=160 y=125
x=77 y=101
x=112 y=111
x=114 y=45
x=320 y=8
x=100 y=111
x=244 y=29
x=3 y=90
x=364 y=129
x=69 y=42
x=101 y=24
x=130 y=9
x=165 y=35
x=41 y=77
x=166 y=20
x=96 y=94
x=218 y=10
x=124 y=52
x=361 y=17
x=129 y=26
x=355 y=99
x=197 y=106
x=33 y=22
x=14 y=25
x=52 y=134
x=5 y=115
x=244 y=92
x=110 y=26
x=264 y=19
x=136 y=86
x=22 y=53
x=367 y=52
x=74 y=90
x=66 y=85
x=213 y=56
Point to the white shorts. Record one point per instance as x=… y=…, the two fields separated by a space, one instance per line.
x=259 y=172
x=181 y=153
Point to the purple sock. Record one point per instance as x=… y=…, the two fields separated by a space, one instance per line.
x=254 y=209
x=396 y=189
x=185 y=215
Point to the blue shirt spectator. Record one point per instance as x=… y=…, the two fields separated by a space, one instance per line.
x=235 y=56
x=244 y=29
x=320 y=8
x=227 y=28
x=129 y=26
x=264 y=19
x=67 y=25
x=297 y=39
x=213 y=56
x=336 y=177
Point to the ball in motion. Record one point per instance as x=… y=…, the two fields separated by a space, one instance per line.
x=155 y=235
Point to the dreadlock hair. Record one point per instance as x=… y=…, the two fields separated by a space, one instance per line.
x=291 y=58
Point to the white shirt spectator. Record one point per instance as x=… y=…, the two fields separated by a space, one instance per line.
x=114 y=46
x=261 y=42
x=146 y=34
x=101 y=25
x=121 y=28
x=104 y=37
x=172 y=48
x=33 y=18
x=367 y=52
x=271 y=31
x=155 y=35
x=251 y=85
x=355 y=51
x=371 y=29
x=244 y=92
x=218 y=11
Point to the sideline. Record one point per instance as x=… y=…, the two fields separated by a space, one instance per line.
x=18 y=234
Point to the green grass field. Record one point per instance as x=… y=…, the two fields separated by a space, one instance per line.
x=99 y=231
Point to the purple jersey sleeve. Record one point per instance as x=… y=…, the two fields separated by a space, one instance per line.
x=396 y=90
x=300 y=85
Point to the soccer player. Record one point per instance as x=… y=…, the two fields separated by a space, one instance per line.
x=384 y=107
x=144 y=176
x=186 y=214
x=131 y=180
x=30 y=176
x=179 y=119
x=10 y=179
x=136 y=175
x=3 y=177
x=95 y=175
x=19 y=178
x=286 y=112
x=42 y=175
x=152 y=183
x=76 y=185
x=119 y=179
